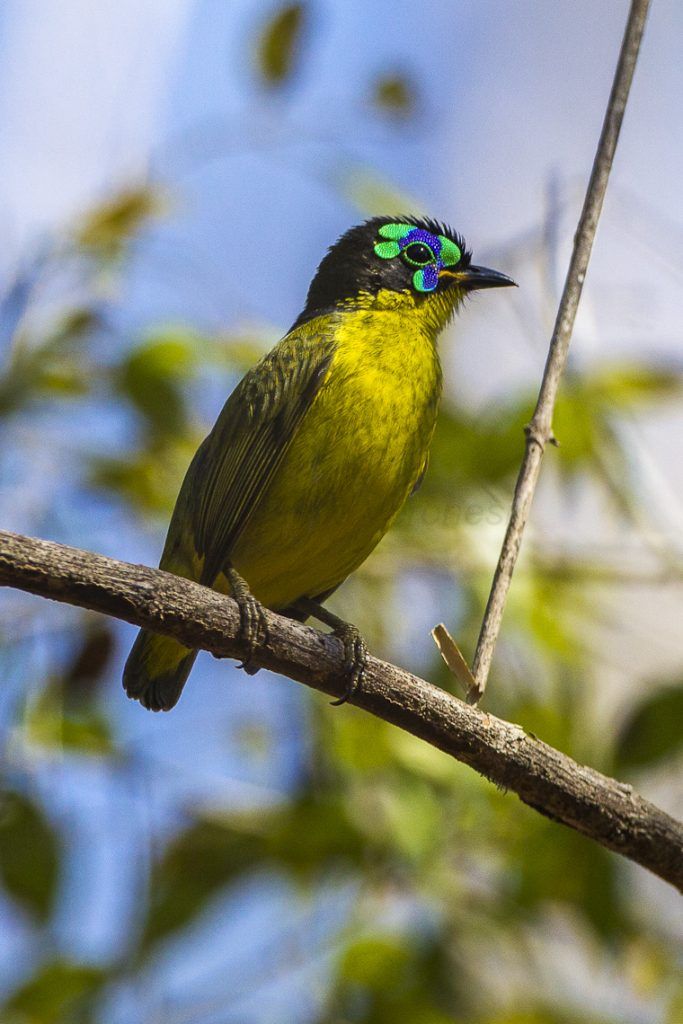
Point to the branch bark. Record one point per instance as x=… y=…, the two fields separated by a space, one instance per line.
x=539 y=432
x=601 y=808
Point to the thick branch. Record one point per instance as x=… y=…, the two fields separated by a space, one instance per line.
x=539 y=432
x=599 y=807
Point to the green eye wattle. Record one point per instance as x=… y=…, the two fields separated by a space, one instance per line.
x=418 y=254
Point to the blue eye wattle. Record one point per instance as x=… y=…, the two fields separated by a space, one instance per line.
x=426 y=279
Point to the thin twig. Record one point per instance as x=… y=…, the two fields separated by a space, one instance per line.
x=601 y=808
x=539 y=431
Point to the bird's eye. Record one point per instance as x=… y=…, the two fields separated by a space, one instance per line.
x=418 y=254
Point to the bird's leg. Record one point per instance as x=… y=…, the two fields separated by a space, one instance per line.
x=253 y=625
x=355 y=648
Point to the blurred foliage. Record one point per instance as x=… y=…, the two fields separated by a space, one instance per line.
x=653 y=731
x=152 y=377
x=380 y=979
x=456 y=891
x=29 y=855
x=587 y=406
x=396 y=95
x=372 y=194
x=305 y=837
x=59 y=991
x=108 y=229
x=52 y=721
x=50 y=368
x=278 y=47
x=89 y=661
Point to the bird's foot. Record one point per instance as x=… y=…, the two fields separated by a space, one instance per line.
x=355 y=660
x=253 y=624
x=355 y=647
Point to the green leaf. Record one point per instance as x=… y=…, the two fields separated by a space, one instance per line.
x=654 y=730
x=29 y=855
x=153 y=377
x=59 y=993
x=278 y=47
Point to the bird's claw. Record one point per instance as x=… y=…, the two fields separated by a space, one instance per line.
x=253 y=627
x=355 y=661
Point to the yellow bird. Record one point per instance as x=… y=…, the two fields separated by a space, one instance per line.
x=319 y=445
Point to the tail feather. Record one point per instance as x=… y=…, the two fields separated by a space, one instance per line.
x=156 y=670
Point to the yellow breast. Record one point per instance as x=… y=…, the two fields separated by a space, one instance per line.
x=355 y=458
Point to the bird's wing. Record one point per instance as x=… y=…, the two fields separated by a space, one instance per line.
x=238 y=459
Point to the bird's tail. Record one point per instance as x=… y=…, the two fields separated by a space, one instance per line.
x=156 y=670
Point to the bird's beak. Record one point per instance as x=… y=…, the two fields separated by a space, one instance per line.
x=479 y=277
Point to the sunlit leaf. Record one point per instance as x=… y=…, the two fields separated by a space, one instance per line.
x=627 y=385
x=357 y=743
x=674 y=1013
x=653 y=731
x=421 y=758
x=54 y=721
x=375 y=962
x=588 y=405
x=107 y=228
x=29 y=854
x=278 y=48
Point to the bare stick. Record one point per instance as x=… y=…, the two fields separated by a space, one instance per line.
x=601 y=808
x=539 y=431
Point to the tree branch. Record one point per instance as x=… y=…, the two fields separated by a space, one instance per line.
x=599 y=807
x=539 y=432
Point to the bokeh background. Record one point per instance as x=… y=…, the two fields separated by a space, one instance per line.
x=170 y=174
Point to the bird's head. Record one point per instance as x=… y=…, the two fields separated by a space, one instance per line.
x=399 y=262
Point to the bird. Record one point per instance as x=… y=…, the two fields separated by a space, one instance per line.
x=319 y=446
